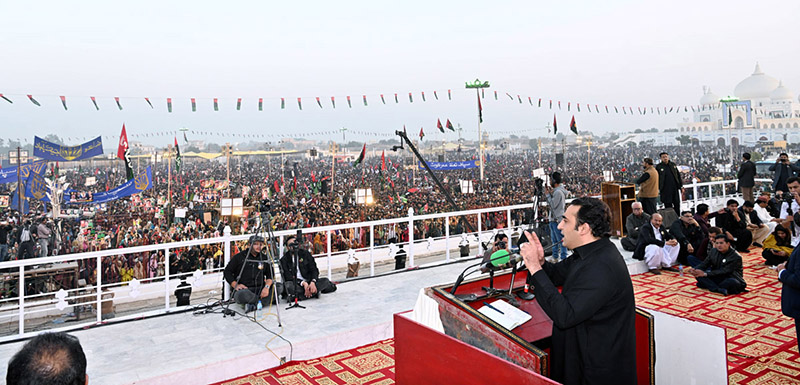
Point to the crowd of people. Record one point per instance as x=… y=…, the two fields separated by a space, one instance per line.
x=300 y=192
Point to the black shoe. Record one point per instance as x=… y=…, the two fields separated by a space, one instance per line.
x=756 y=244
x=655 y=271
x=721 y=291
x=670 y=268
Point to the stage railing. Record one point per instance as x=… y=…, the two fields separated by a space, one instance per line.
x=43 y=302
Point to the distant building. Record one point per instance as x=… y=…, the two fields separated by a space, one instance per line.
x=761 y=110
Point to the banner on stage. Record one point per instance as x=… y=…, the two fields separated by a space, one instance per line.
x=446 y=166
x=56 y=152
x=9 y=174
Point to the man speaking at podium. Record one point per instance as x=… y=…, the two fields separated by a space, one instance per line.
x=594 y=337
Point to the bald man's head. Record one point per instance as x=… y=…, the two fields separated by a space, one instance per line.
x=656 y=220
x=49 y=358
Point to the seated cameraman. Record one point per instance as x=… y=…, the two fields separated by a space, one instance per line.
x=256 y=275
x=300 y=273
x=790 y=212
x=500 y=243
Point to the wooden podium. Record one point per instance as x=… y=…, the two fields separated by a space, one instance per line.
x=475 y=350
x=619 y=196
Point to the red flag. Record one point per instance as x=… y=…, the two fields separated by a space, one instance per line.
x=439 y=125
x=123 y=143
x=383 y=160
x=449 y=125
x=277 y=187
x=421 y=134
x=572 y=126
x=555 y=125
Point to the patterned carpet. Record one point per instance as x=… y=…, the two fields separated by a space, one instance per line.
x=762 y=347
x=368 y=365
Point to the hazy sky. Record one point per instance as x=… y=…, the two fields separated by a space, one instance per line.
x=631 y=53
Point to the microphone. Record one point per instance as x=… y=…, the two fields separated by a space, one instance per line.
x=501 y=259
x=502 y=256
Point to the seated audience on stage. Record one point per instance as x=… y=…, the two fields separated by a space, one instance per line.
x=705 y=247
x=656 y=246
x=500 y=243
x=757 y=228
x=735 y=226
x=250 y=274
x=633 y=223
x=49 y=358
x=774 y=206
x=777 y=247
x=721 y=272
x=688 y=234
x=790 y=211
x=702 y=216
x=300 y=273
x=762 y=210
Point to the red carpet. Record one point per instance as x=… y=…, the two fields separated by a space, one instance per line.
x=762 y=347
x=368 y=365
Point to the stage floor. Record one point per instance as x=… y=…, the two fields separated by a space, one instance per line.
x=183 y=348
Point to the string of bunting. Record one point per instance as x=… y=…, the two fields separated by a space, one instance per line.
x=215 y=103
x=609 y=109
x=539 y=102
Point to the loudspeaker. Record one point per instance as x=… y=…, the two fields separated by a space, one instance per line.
x=559 y=159
x=441 y=158
x=324 y=187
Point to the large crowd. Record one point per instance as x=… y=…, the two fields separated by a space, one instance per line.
x=299 y=192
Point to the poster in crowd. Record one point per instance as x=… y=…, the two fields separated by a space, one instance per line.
x=9 y=174
x=56 y=152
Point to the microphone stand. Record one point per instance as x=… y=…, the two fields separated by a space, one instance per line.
x=460 y=279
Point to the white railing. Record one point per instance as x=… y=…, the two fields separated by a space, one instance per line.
x=36 y=312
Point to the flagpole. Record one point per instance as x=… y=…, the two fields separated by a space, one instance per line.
x=477 y=85
x=19 y=184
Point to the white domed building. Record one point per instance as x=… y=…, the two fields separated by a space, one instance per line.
x=762 y=109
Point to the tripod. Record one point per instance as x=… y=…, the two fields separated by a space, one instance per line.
x=269 y=251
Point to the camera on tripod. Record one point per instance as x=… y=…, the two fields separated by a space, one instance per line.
x=538 y=187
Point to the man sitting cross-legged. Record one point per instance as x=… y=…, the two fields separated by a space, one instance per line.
x=656 y=246
x=721 y=272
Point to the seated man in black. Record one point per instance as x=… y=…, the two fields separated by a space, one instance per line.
x=721 y=272
x=256 y=275
x=735 y=226
x=49 y=358
x=300 y=273
x=687 y=232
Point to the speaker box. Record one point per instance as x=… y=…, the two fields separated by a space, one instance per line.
x=559 y=159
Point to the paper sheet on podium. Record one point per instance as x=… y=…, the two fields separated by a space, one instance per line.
x=504 y=314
